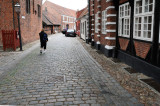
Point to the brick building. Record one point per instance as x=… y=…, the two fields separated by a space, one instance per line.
x=126 y=29
x=59 y=16
x=78 y=13
x=30 y=18
x=82 y=24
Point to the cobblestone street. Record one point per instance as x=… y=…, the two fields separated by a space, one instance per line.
x=65 y=75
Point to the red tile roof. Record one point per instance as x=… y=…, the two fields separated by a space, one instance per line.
x=55 y=11
x=82 y=12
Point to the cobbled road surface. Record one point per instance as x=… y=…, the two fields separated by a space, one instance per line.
x=65 y=75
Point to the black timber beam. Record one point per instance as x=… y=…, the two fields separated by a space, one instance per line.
x=131 y=44
x=116 y=3
x=156 y=28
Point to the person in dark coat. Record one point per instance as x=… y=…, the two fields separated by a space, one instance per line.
x=43 y=40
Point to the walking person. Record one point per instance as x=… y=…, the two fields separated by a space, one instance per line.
x=43 y=40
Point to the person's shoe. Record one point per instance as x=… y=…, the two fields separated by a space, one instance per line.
x=40 y=51
x=44 y=51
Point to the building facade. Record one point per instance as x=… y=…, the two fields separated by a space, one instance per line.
x=82 y=24
x=68 y=22
x=30 y=18
x=102 y=21
x=60 y=17
x=129 y=31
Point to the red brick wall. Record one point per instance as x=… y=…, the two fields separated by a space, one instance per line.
x=122 y=1
x=123 y=43
x=142 y=48
x=32 y=24
x=6 y=17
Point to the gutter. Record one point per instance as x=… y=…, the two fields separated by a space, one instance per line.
x=13 y=14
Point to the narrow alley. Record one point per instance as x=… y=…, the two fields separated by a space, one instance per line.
x=65 y=75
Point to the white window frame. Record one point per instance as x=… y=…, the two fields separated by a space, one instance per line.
x=124 y=14
x=103 y=25
x=143 y=15
x=96 y=23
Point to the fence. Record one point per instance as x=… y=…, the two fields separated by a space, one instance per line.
x=10 y=39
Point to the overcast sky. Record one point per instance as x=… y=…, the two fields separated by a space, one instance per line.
x=71 y=4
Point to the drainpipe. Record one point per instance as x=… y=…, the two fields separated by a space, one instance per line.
x=116 y=3
x=13 y=14
x=89 y=27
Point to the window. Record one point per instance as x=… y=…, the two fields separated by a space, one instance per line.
x=39 y=10
x=124 y=20
x=28 y=6
x=33 y=6
x=103 y=29
x=96 y=23
x=70 y=19
x=143 y=19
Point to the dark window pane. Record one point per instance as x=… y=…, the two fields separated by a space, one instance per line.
x=149 y=27
x=149 y=34
x=139 y=33
x=150 y=8
x=150 y=19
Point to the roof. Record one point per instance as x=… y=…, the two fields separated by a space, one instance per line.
x=45 y=20
x=54 y=12
x=82 y=13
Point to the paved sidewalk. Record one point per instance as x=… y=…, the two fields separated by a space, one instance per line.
x=65 y=75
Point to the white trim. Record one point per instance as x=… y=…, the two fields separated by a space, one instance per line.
x=92 y=39
x=92 y=24
x=110 y=30
x=99 y=6
x=108 y=0
x=110 y=38
x=98 y=42
x=92 y=5
x=110 y=7
x=98 y=18
x=109 y=47
x=92 y=34
x=111 y=15
x=98 y=35
x=98 y=29
x=92 y=19
x=92 y=10
x=98 y=12
x=92 y=29
x=110 y=23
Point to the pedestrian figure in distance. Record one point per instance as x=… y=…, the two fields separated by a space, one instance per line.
x=43 y=40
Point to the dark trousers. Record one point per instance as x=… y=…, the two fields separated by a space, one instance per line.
x=43 y=45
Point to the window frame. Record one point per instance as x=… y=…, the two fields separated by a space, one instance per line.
x=142 y=15
x=103 y=22
x=124 y=20
x=28 y=7
x=96 y=23
x=39 y=10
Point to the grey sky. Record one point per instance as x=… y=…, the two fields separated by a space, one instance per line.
x=71 y=4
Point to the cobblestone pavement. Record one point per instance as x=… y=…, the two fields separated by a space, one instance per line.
x=65 y=75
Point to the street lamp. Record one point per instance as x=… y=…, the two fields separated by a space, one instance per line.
x=17 y=9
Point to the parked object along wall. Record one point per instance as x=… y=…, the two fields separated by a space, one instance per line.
x=30 y=18
x=128 y=30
